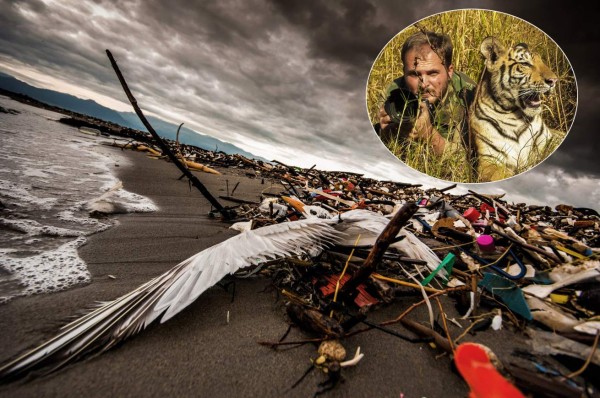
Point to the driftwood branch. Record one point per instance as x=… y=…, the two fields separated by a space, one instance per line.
x=164 y=147
x=424 y=331
x=381 y=245
x=177 y=134
x=488 y=201
x=447 y=188
x=527 y=246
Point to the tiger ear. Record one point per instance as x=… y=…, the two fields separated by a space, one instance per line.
x=492 y=49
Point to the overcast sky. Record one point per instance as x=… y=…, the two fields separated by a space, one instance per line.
x=283 y=80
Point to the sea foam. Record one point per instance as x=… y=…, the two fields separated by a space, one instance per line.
x=57 y=187
x=48 y=271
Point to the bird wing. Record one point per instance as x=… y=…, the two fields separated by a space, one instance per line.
x=370 y=225
x=366 y=223
x=415 y=248
x=209 y=266
x=168 y=294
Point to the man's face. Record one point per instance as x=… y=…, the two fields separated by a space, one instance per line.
x=425 y=75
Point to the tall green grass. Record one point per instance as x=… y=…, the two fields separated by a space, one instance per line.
x=467 y=29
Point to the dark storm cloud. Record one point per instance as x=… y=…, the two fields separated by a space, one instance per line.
x=348 y=32
x=351 y=33
x=52 y=38
x=578 y=154
x=548 y=185
x=238 y=71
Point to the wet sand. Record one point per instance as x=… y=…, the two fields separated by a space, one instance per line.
x=198 y=353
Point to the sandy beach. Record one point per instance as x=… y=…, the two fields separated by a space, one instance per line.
x=198 y=353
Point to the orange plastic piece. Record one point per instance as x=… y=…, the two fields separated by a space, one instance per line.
x=363 y=298
x=473 y=363
x=295 y=203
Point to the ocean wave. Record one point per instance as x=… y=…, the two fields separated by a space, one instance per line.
x=55 y=190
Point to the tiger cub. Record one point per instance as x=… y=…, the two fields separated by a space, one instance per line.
x=505 y=119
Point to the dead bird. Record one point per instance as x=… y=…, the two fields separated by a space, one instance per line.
x=166 y=295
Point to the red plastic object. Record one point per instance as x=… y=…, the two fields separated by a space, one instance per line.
x=472 y=214
x=485 y=206
x=328 y=191
x=360 y=205
x=363 y=298
x=474 y=365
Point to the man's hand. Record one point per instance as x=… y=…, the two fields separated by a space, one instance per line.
x=423 y=130
x=384 y=118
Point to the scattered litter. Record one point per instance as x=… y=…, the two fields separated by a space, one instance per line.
x=508 y=266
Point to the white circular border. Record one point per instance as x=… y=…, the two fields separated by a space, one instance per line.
x=487 y=182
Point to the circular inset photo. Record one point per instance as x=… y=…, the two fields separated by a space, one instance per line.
x=472 y=96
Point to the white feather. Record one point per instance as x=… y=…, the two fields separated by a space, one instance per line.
x=208 y=267
x=370 y=225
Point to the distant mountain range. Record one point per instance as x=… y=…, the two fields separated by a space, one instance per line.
x=126 y=119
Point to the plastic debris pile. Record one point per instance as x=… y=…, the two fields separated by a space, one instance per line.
x=528 y=268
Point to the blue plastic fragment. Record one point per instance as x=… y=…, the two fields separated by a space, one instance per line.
x=553 y=372
x=508 y=292
x=424 y=223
